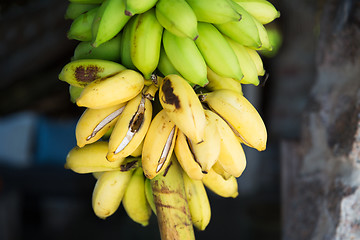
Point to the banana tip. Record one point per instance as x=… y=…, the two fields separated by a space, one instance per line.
x=128 y=13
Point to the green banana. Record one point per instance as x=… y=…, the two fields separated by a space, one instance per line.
x=217 y=82
x=109 y=50
x=74 y=10
x=198 y=201
x=186 y=58
x=91 y=158
x=108 y=21
x=215 y=11
x=109 y=191
x=80 y=28
x=262 y=10
x=74 y=93
x=134 y=200
x=165 y=66
x=217 y=52
x=146 y=34
x=80 y=73
x=87 y=1
x=149 y=195
x=177 y=17
x=133 y=7
x=111 y=90
x=94 y=123
x=264 y=37
x=125 y=46
x=244 y=31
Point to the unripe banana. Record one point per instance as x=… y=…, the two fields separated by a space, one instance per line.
x=217 y=82
x=87 y=1
x=158 y=144
x=80 y=28
x=74 y=10
x=220 y=186
x=109 y=191
x=149 y=195
x=240 y=114
x=126 y=45
x=91 y=158
x=131 y=128
x=262 y=10
x=111 y=90
x=177 y=17
x=264 y=37
x=134 y=200
x=186 y=58
x=81 y=72
x=198 y=201
x=94 y=123
x=133 y=7
x=74 y=92
x=244 y=31
x=231 y=157
x=109 y=50
x=215 y=11
x=217 y=52
x=108 y=21
x=247 y=65
x=165 y=66
x=146 y=35
x=257 y=60
x=186 y=158
x=183 y=107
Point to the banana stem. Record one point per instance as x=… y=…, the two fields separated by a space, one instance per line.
x=172 y=209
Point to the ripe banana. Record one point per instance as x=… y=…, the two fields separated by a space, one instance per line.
x=97 y=175
x=108 y=21
x=74 y=93
x=257 y=60
x=81 y=72
x=244 y=31
x=177 y=17
x=109 y=50
x=241 y=116
x=109 y=191
x=74 y=10
x=149 y=195
x=217 y=82
x=146 y=34
x=134 y=200
x=215 y=11
x=186 y=158
x=220 y=170
x=247 y=65
x=125 y=51
x=165 y=66
x=231 y=157
x=186 y=58
x=262 y=10
x=94 y=123
x=217 y=52
x=220 y=186
x=133 y=7
x=91 y=158
x=111 y=90
x=131 y=128
x=183 y=107
x=137 y=152
x=158 y=144
x=198 y=201
x=80 y=28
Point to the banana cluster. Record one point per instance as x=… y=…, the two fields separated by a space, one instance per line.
x=160 y=81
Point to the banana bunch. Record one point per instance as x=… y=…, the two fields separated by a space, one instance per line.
x=161 y=86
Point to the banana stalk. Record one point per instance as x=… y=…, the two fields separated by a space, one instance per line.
x=172 y=209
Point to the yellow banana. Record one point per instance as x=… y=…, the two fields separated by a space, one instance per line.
x=186 y=158
x=149 y=195
x=111 y=90
x=131 y=128
x=97 y=174
x=220 y=186
x=109 y=191
x=146 y=35
x=134 y=201
x=198 y=201
x=137 y=152
x=94 y=123
x=79 y=73
x=240 y=114
x=217 y=82
x=183 y=107
x=232 y=157
x=257 y=60
x=91 y=158
x=262 y=10
x=158 y=144
x=220 y=170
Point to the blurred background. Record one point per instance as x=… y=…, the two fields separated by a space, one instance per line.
x=39 y=199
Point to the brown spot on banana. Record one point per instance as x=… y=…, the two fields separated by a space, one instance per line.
x=170 y=97
x=87 y=74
